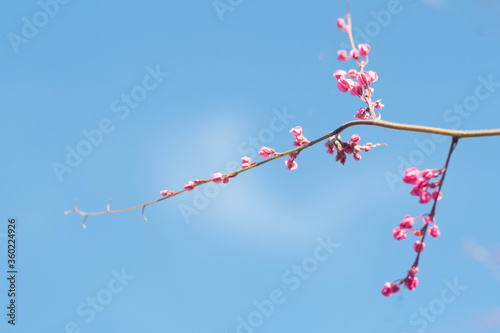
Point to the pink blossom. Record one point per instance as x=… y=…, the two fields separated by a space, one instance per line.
x=339 y=73
x=425 y=197
x=398 y=233
x=434 y=231
x=411 y=175
x=373 y=76
x=435 y=195
x=189 y=186
x=418 y=246
x=290 y=163
x=378 y=104
x=344 y=84
x=407 y=222
x=217 y=178
x=352 y=73
x=354 y=54
x=362 y=114
x=387 y=289
x=246 y=162
x=341 y=23
x=357 y=90
x=330 y=146
x=342 y=55
x=364 y=49
x=394 y=288
x=266 y=152
x=356 y=156
x=411 y=282
x=413 y=271
x=167 y=193
x=296 y=131
x=363 y=78
x=427 y=220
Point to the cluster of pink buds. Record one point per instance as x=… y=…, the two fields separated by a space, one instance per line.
x=421 y=183
x=266 y=152
x=350 y=147
x=299 y=141
x=362 y=87
x=190 y=185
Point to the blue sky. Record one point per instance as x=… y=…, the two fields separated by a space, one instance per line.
x=209 y=87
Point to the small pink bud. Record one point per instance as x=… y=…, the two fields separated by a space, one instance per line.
x=166 y=193
x=417 y=232
x=341 y=23
x=395 y=288
x=364 y=49
x=356 y=156
x=378 y=104
x=425 y=197
x=418 y=246
x=407 y=222
x=355 y=138
x=330 y=147
x=339 y=73
x=357 y=90
x=352 y=73
x=363 y=78
x=342 y=55
x=413 y=271
x=398 y=233
x=291 y=164
x=225 y=180
x=434 y=231
x=354 y=54
x=246 y=162
x=296 y=131
x=387 y=289
x=189 y=186
x=411 y=282
x=411 y=175
x=344 y=84
x=373 y=76
x=217 y=178
x=435 y=195
x=266 y=152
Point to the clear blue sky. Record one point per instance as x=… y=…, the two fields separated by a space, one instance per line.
x=231 y=78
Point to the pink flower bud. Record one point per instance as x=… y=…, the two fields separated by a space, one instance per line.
x=411 y=282
x=166 y=193
x=363 y=78
x=425 y=197
x=373 y=76
x=296 y=131
x=189 y=186
x=417 y=232
x=356 y=156
x=413 y=271
x=266 y=152
x=225 y=180
x=246 y=162
x=330 y=147
x=398 y=233
x=355 y=138
x=378 y=104
x=387 y=289
x=341 y=23
x=342 y=55
x=339 y=73
x=407 y=222
x=357 y=90
x=217 y=178
x=434 y=231
x=418 y=246
x=364 y=49
x=411 y=175
x=352 y=73
x=394 y=288
x=354 y=54
x=344 y=84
